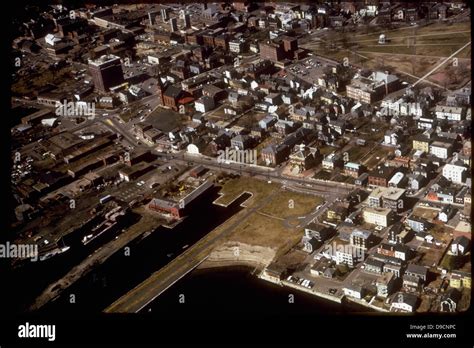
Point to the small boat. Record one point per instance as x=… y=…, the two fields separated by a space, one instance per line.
x=54 y=252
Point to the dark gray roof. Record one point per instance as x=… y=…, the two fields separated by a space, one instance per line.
x=375 y=263
x=462 y=241
x=173 y=92
x=410 y=278
x=417 y=269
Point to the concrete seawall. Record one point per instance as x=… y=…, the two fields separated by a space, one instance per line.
x=232 y=254
x=239 y=254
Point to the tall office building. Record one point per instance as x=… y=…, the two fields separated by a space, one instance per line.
x=151 y=18
x=187 y=21
x=106 y=72
x=173 y=24
x=164 y=14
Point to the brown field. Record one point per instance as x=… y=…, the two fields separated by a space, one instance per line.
x=266 y=230
x=302 y=204
x=429 y=214
x=408 y=51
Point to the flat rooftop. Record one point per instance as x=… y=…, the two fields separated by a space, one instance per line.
x=393 y=193
x=103 y=59
x=379 y=211
x=377 y=193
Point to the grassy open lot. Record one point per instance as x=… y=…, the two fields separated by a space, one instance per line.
x=425 y=213
x=165 y=119
x=430 y=256
x=278 y=207
x=234 y=187
x=433 y=33
x=325 y=150
x=452 y=76
x=441 y=45
x=266 y=231
x=128 y=115
x=302 y=204
x=465 y=302
x=376 y=157
x=263 y=230
x=356 y=152
x=373 y=131
x=38 y=79
x=293 y=259
x=405 y=54
x=323 y=175
x=365 y=34
x=218 y=113
x=250 y=119
x=441 y=232
x=452 y=262
x=340 y=178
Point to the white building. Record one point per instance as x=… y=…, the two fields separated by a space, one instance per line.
x=204 y=104
x=136 y=91
x=236 y=46
x=396 y=179
x=426 y=123
x=153 y=60
x=345 y=257
x=52 y=40
x=354 y=291
x=450 y=113
x=404 y=302
x=382 y=39
x=401 y=107
x=391 y=138
x=193 y=149
x=441 y=150
x=377 y=216
x=460 y=246
x=329 y=162
x=455 y=172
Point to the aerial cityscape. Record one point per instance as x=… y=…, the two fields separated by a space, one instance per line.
x=322 y=147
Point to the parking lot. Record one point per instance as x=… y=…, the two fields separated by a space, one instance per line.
x=310 y=69
x=147 y=184
x=316 y=284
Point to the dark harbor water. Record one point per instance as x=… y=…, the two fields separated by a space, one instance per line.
x=233 y=293
x=121 y=272
x=237 y=293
